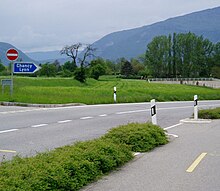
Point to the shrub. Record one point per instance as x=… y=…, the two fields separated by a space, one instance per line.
x=210 y=113
x=71 y=167
x=140 y=137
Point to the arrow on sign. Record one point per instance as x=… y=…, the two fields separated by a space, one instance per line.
x=25 y=67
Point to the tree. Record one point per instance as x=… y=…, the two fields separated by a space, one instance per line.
x=157 y=55
x=174 y=69
x=48 y=70
x=110 y=67
x=215 y=71
x=187 y=55
x=97 y=68
x=57 y=65
x=137 y=66
x=80 y=74
x=126 y=68
x=73 y=52
x=216 y=55
x=70 y=66
x=2 y=67
x=170 y=55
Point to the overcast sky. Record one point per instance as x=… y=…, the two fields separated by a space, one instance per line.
x=40 y=25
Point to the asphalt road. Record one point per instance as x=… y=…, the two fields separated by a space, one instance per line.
x=188 y=163
x=26 y=131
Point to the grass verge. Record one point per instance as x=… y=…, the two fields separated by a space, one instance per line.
x=72 y=167
x=64 y=90
x=209 y=113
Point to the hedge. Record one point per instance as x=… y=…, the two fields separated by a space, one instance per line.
x=74 y=166
x=210 y=113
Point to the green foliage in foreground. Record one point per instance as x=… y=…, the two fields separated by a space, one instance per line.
x=140 y=137
x=210 y=113
x=72 y=167
x=61 y=90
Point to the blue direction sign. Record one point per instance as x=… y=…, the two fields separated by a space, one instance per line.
x=25 y=67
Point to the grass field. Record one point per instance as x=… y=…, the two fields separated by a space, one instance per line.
x=64 y=90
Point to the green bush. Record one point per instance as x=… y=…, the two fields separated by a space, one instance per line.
x=210 y=113
x=71 y=167
x=140 y=137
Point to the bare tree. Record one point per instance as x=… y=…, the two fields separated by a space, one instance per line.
x=73 y=52
x=88 y=52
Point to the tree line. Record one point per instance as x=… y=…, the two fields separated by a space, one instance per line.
x=182 y=55
x=177 y=55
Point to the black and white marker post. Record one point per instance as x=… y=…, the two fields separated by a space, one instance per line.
x=153 y=112
x=195 y=107
x=115 y=95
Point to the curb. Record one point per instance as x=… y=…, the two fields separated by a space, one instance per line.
x=39 y=105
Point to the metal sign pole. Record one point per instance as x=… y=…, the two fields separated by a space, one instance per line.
x=12 y=84
x=12 y=55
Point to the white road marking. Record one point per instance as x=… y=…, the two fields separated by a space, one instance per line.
x=7 y=131
x=65 y=121
x=201 y=104
x=140 y=103
x=103 y=115
x=83 y=118
x=40 y=125
x=170 y=127
x=3 y=112
x=176 y=136
x=134 y=111
x=21 y=111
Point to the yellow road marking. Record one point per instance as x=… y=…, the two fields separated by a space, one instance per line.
x=7 y=151
x=196 y=162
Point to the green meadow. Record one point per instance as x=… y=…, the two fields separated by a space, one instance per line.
x=67 y=90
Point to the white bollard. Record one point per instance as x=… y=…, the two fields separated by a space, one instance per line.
x=115 y=100
x=153 y=112
x=195 y=107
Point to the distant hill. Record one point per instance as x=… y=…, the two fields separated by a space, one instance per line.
x=3 y=49
x=48 y=56
x=132 y=43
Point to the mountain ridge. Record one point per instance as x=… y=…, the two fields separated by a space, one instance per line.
x=21 y=55
x=133 y=42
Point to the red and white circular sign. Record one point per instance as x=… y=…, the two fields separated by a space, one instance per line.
x=12 y=54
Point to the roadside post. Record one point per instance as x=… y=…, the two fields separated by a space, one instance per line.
x=115 y=95
x=12 y=55
x=195 y=107
x=153 y=112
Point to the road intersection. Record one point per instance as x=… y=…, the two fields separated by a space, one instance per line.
x=189 y=162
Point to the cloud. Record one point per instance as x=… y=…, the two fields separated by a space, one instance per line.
x=49 y=24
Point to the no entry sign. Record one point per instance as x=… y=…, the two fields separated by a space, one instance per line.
x=12 y=54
